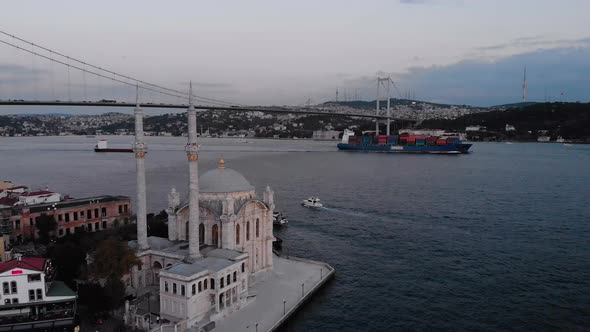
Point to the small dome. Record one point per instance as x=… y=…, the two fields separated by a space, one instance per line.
x=223 y=180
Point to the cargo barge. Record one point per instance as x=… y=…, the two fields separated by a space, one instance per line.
x=102 y=146
x=403 y=143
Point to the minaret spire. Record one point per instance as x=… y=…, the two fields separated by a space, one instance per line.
x=140 y=148
x=193 y=175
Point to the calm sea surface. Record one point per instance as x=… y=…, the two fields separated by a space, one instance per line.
x=495 y=240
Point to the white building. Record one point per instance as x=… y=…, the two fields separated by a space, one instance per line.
x=39 y=197
x=475 y=128
x=235 y=241
x=30 y=297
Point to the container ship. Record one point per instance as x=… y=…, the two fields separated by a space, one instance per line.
x=102 y=146
x=404 y=143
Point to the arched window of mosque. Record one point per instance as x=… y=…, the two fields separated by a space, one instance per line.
x=248 y=230
x=243 y=267
x=238 y=234
x=201 y=233
x=157 y=265
x=215 y=235
x=257 y=227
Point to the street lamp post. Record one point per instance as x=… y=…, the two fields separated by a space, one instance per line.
x=302 y=293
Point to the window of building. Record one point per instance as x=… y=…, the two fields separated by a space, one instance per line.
x=212 y=283
x=220 y=282
x=13 y=287
x=238 y=234
x=31 y=295
x=194 y=289
x=36 y=220
x=103 y=211
x=200 y=287
x=34 y=277
x=243 y=267
x=182 y=290
x=205 y=283
x=166 y=286
x=17 y=224
x=81 y=214
x=257 y=227
x=235 y=276
x=125 y=208
x=228 y=279
x=173 y=288
x=95 y=213
x=67 y=231
x=60 y=217
x=90 y=227
x=39 y=294
x=75 y=216
x=97 y=226
x=120 y=209
x=104 y=224
x=247 y=230
x=15 y=300
x=31 y=220
x=89 y=214
x=61 y=232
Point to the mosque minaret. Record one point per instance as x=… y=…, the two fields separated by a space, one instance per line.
x=139 y=149
x=193 y=176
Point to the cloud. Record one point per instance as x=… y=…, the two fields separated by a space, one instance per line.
x=535 y=42
x=484 y=82
x=414 y=2
x=12 y=73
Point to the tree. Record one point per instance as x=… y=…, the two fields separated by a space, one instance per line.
x=113 y=259
x=46 y=224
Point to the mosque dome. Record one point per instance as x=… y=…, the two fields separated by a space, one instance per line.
x=223 y=180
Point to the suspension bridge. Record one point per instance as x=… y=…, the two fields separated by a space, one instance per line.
x=121 y=84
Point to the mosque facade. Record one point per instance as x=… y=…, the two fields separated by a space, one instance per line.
x=217 y=241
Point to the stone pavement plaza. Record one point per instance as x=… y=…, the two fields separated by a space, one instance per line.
x=271 y=288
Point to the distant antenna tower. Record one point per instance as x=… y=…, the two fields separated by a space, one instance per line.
x=336 y=94
x=524 y=86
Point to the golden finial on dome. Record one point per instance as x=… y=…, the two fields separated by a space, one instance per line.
x=221 y=163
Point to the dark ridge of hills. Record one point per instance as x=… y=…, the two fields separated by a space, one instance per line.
x=569 y=120
x=515 y=105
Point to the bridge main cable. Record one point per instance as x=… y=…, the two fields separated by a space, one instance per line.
x=144 y=83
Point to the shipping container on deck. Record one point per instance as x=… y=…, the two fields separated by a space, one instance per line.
x=441 y=141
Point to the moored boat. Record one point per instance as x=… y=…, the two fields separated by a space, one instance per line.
x=279 y=219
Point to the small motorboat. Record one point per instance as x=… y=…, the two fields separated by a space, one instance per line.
x=279 y=219
x=312 y=202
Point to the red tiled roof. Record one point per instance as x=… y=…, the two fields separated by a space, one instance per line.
x=10 y=201
x=29 y=263
x=17 y=187
x=37 y=193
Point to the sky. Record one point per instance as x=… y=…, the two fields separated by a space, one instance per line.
x=269 y=52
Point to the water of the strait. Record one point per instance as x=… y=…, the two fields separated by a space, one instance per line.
x=494 y=240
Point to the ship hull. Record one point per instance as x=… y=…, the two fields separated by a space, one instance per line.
x=458 y=148
x=112 y=150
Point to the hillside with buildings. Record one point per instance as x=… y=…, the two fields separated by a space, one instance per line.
x=570 y=121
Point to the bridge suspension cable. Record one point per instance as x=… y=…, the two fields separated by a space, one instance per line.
x=144 y=85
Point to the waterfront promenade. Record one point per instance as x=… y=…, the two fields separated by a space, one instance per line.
x=279 y=293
